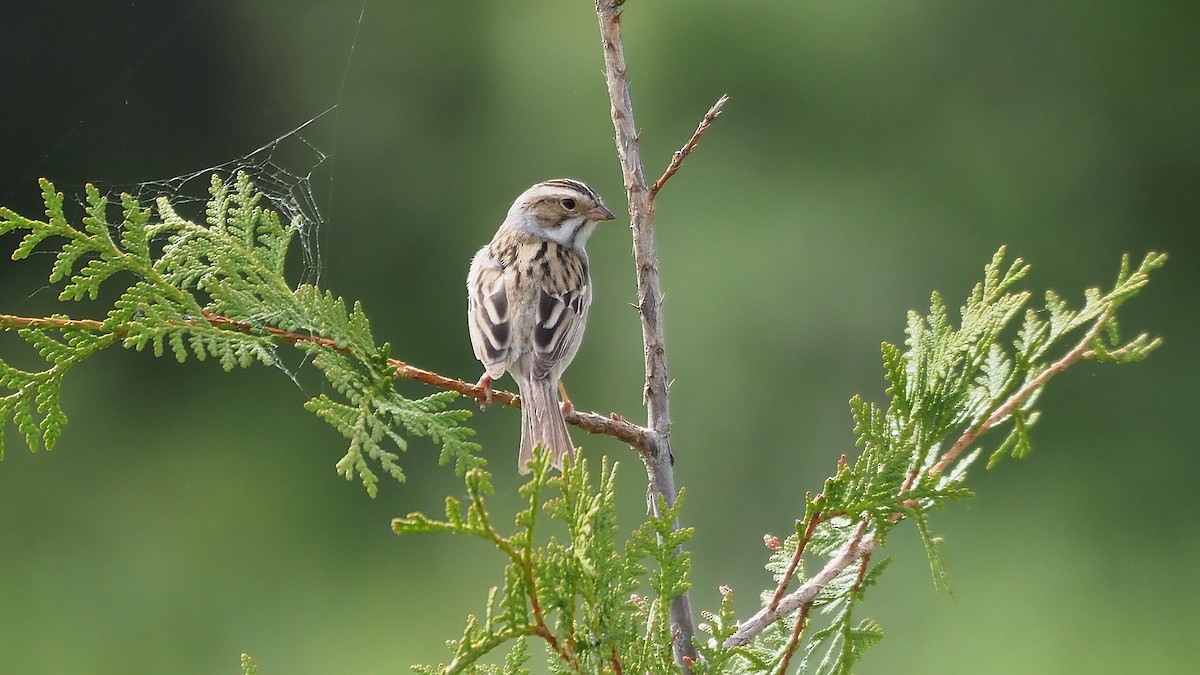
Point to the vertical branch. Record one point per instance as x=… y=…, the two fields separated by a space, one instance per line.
x=657 y=454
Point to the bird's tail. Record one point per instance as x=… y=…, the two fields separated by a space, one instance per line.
x=542 y=422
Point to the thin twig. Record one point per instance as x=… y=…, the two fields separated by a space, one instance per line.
x=10 y=322
x=615 y=662
x=682 y=153
x=612 y=425
x=859 y=545
x=786 y=579
x=658 y=458
x=794 y=638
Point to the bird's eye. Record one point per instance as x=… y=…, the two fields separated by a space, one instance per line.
x=568 y=203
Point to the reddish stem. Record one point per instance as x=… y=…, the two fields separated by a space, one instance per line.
x=794 y=639
x=784 y=582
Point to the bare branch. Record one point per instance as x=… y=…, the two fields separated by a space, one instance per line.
x=682 y=153
x=657 y=458
x=612 y=425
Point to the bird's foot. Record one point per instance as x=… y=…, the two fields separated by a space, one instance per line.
x=485 y=383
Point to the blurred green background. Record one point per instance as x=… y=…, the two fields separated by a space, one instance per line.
x=871 y=152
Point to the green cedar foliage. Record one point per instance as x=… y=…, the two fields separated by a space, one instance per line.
x=596 y=602
x=214 y=290
x=948 y=386
x=579 y=597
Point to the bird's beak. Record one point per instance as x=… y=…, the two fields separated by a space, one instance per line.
x=600 y=212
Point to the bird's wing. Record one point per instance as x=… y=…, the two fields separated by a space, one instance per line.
x=558 y=328
x=488 y=315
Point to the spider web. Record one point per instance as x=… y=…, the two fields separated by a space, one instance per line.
x=284 y=170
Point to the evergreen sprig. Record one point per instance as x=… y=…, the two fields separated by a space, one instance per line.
x=578 y=596
x=33 y=399
x=216 y=290
x=948 y=385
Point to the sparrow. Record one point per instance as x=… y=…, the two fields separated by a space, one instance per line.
x=528 y=294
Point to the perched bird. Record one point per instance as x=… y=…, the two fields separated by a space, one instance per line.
x=528 y=294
